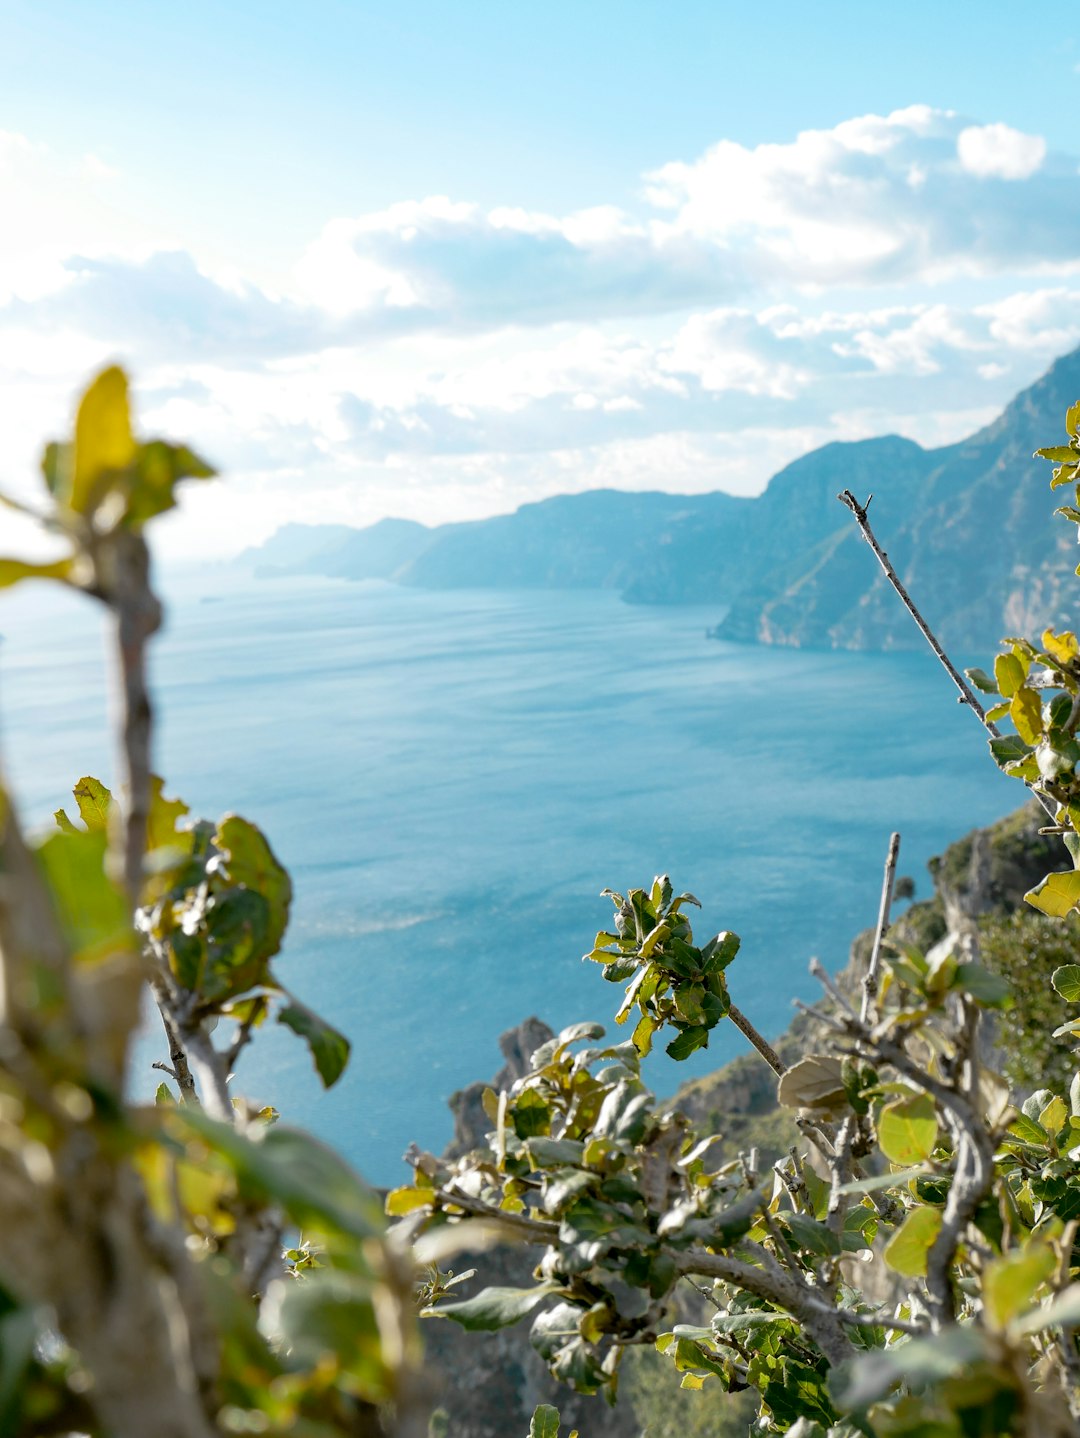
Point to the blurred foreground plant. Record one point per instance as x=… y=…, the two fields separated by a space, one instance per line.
x=143 y=1284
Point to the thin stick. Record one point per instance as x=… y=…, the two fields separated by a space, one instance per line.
x=764 y=1048
x=967 y=696
x=870 y=979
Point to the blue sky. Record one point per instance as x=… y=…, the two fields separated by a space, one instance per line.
x=438 y=259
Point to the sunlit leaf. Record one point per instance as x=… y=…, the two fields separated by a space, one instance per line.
x=1057 y=895
x=104 y=443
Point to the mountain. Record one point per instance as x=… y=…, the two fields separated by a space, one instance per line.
x=968 y=527
x=974 y=540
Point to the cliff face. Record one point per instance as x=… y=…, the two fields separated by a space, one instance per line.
x=489 y=1383
x=969 y=528
x=974 y=540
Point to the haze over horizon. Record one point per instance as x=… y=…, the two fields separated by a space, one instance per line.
x=436 y=263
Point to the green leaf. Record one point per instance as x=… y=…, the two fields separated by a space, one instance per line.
x=555 y=1152
x=906 y=1251
x=1057 y=895
x=251 y=862
x=921 y=1361
x=811 y=1235
x=237 y=924
x=1028 y=1130
x=158 y=469
x=624 y=1113
x=1072 y=420
x=908 y=1130
x=990 y=989
x=1062 y=1310
x=695 y=1037
x=329 y=1319
x=63 y=823
x=316 y=1188
x=545 y=1422
x=494 y=1308
x=329 y=1048
x=165 y=814
x=897 y=1179
x=14 y=570
x=1067 y=982
x=1010 y=1283
x=981 y=680
x=1058 y=454
x=92 y=911
x=94 y=802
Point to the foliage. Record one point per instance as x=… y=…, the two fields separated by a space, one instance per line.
x=189 y=1267
x=194 y=1267
x=911 y=1266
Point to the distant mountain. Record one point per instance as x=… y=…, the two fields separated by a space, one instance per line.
x=973 y=538
x=968 y=527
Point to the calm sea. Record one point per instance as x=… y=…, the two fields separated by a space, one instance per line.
x=453 y=778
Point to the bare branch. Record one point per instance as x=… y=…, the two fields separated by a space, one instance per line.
x=764 y=1048
x=967 y=695
x=870 y=979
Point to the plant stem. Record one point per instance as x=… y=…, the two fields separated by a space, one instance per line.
x=764 y=1048
x=870 y=979
x=967 y=695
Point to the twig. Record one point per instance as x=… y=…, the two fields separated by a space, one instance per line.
x=826 y=1019
x=534 y=1229
x=181 y=1070
x=819 y=972
x=764 y=1048
x=870 y=979
x=967 y=695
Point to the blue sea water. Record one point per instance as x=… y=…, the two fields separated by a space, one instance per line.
x=452 y=778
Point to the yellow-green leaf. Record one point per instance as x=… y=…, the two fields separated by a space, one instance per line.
x=1025 y=710
x=400 y=1201
x=94 y=802
x=13 y=570
x=1009 y=673
x=1011 y=1282
x=104 y=443
x=1057 y=895
x=907 y=1249
x=1062 y=646
x=908 y=1130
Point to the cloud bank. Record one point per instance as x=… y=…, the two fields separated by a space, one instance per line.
x=440 y=359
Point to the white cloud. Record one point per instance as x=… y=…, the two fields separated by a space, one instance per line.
x=1000 y=152
x=440 y=358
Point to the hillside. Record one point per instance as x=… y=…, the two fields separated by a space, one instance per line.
x=966 y=526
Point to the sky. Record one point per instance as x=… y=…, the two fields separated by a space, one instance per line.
x=437 y=260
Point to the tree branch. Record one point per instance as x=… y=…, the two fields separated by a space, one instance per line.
x=870 y=979
x=764 y=1048
x=967 y=695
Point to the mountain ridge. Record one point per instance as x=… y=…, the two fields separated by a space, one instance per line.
x=967 y=526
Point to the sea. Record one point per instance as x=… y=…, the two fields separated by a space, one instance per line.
x=452 y=778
